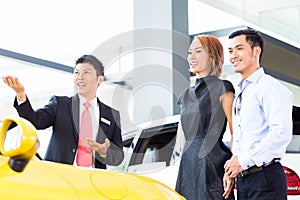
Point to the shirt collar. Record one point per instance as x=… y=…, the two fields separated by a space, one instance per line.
x=253 y=78
x=93 y=101
x=256 y=75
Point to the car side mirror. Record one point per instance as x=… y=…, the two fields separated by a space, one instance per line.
x=18 y=141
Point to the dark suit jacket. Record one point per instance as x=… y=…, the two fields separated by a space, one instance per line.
x=62 y=113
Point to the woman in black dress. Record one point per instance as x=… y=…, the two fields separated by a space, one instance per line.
x=205 y=110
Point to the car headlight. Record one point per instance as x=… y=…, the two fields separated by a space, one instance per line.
x=18 y=140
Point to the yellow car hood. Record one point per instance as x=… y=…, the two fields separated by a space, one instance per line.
x=49 y=180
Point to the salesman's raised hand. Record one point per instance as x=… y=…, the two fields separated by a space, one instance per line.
x=15 y=84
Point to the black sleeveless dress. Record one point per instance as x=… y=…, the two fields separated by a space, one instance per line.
x=204 y=123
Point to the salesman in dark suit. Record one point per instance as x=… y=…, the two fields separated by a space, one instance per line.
x=64 y=115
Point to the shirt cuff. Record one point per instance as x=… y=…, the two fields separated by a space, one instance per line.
x=245 y=163
x=103 y=155
x=20 y=102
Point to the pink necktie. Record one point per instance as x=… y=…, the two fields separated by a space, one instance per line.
x=84 y=153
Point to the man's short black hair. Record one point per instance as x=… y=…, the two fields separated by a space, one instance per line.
x=93 y=61
x=253 y=37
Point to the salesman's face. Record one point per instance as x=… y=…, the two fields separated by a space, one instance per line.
x=86 y=80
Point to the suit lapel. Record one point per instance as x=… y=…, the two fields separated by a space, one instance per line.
x=75 y=112
x=104 y=121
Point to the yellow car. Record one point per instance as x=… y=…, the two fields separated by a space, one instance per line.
x=23 y=176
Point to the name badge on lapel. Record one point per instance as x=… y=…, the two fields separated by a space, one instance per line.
x=105 y=121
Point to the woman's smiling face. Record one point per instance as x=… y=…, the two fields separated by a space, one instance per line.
x=198 y=59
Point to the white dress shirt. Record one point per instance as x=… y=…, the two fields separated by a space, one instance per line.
x=94 y=111
x=262 y=127
x=95 y=114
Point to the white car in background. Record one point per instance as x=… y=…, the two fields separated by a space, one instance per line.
x=154 y=151
x=291 y=160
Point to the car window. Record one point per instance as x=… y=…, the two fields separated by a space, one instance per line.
x=294 y=146
x=296 y=120
x=155 y=145
x=127 y=142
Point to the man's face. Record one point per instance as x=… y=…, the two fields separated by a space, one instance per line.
x=86 y=81
x=241 y=55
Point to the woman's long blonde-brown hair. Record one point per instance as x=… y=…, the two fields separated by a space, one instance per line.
x=214 y=48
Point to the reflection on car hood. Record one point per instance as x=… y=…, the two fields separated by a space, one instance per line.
x=48 y=180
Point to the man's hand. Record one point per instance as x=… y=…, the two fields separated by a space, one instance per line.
x=233 y=167
x=228 y=184
x=99 y=148
x=15 y=84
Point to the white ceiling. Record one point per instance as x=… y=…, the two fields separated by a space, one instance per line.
x=278 y=16
x=57 y=31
